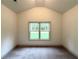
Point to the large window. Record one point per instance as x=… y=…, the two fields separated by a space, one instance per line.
x=39 y=30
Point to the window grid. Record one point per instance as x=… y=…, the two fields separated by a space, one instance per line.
x=40 y=31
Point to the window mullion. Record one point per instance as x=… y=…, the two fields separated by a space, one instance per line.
x=39 y=30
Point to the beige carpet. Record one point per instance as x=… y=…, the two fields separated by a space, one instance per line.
x=39 y=53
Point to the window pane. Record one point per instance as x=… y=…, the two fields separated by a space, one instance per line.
x=44 y=31
x=34 y=31
x=44 y=35
x=33 y=27
x=45 y=27
x=34 y=35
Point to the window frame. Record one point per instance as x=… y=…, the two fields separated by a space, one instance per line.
x=39 y=31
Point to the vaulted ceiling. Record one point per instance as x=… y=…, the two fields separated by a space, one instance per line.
x=57 y=5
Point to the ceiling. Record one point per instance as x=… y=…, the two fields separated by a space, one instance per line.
x=57 y=5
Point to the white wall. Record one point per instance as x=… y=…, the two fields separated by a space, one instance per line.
x=39 y=14
x=69 y=25
x=8 y=30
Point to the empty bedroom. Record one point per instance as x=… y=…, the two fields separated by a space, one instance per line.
x=39 y=29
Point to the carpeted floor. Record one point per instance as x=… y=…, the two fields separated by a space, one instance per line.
x=39 y=53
